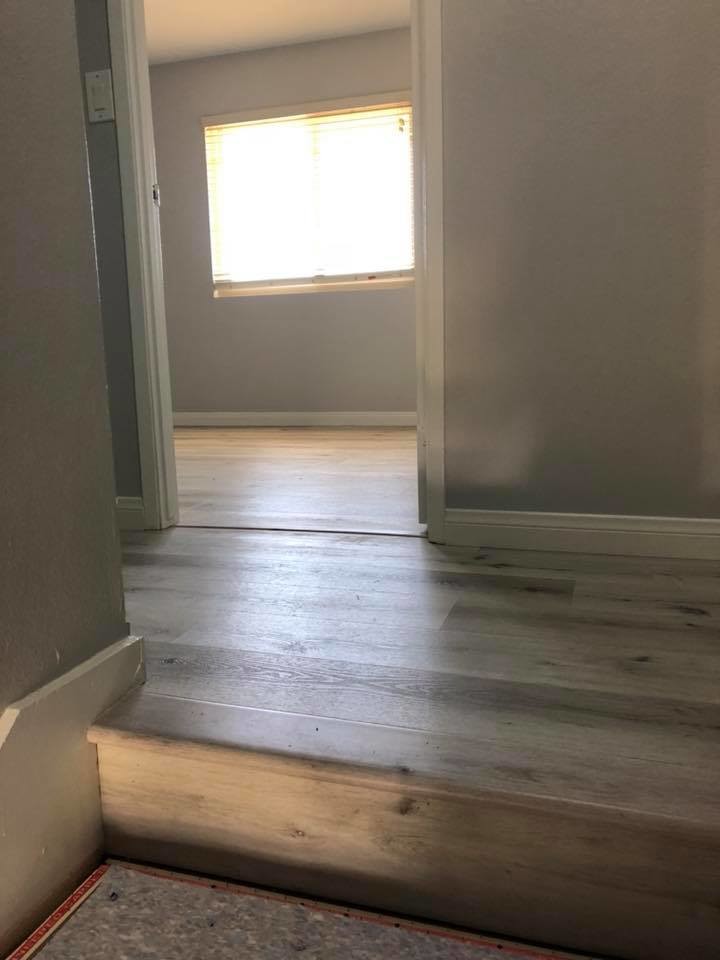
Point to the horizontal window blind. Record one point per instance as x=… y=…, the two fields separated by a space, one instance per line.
x=311 y=197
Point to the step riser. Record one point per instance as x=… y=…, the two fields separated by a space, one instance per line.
x=580 y=877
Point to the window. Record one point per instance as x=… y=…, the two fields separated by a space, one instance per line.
x=311 y=199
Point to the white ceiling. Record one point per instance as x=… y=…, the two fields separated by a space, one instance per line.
x=185 y=29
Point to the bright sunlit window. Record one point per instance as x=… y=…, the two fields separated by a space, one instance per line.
x=311 y=199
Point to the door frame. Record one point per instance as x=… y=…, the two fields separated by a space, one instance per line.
x=426 y=42
x=144 y=261
x=136 y=150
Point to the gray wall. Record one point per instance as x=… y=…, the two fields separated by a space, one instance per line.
x=324 y=351
x=582 y=206
x=94 y=50
x=60 y=587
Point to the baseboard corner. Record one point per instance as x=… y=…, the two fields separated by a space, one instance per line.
x=52 y=828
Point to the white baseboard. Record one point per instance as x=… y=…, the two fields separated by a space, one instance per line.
x=585 y=533
x=52 y=833
x=312 y=418
x=130 y=513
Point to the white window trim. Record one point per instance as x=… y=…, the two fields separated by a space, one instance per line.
x=334 y=283
x=376 y=281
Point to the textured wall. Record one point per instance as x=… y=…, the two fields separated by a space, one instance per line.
x=94 y=49
x=582 y=230
x=324 y=351
x=60 y=587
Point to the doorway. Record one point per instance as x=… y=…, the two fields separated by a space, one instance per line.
x=336 y=469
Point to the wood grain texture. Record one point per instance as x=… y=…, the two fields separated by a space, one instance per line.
x=524 y=716
x=495 y=758
x=519 y=742
x=583 y=876
x=299 y=478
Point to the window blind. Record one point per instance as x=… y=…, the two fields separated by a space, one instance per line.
x=306 y=198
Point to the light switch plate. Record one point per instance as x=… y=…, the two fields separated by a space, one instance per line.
x=99 y=93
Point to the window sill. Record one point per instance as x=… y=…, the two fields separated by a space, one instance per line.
x=326 y=286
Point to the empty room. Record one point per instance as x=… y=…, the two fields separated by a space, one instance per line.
x=361 y=479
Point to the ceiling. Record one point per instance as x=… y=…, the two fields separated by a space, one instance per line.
x=185 y=29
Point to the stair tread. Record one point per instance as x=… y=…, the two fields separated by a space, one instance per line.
x=507 y=763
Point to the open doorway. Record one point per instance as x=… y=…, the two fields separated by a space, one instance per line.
x=284 y=153
x=286 y=168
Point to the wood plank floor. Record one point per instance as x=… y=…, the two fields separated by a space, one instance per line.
x=298 y=478
x=399 y=632
x=472 y=735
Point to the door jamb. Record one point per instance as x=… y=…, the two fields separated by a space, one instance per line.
x=136 y=149
x=426 y=39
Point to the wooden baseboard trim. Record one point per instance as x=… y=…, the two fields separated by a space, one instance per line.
x=312 y=418
x=52 y=829
x=681 y=537
x=130 y=513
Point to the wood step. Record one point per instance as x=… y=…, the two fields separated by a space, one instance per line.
x=548 y=816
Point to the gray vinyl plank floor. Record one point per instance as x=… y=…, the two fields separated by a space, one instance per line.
x=149 y=915
x=553 y=659
x=299 y=478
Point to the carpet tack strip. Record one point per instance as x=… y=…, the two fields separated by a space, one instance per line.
x=32 y=944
